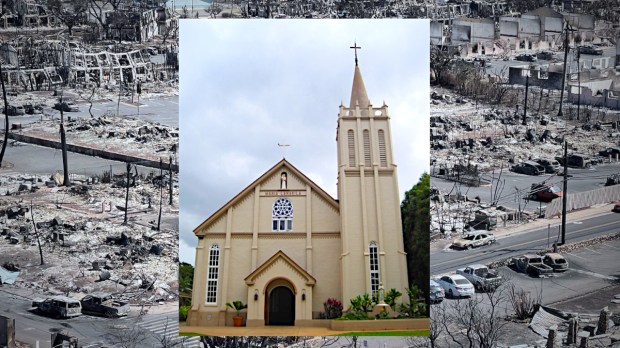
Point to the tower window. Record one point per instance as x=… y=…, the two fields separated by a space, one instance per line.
x=382 y=152
x=367 y=158
x=212 y=274
x=374 y=268
x=282 y=215
x=351 y=139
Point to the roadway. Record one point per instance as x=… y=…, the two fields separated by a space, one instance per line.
x=580 y=180
x=448 y=260
x=91 y=331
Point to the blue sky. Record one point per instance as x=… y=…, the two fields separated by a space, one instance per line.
x=247 y=85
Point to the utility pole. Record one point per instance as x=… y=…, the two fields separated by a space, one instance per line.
x=579 y=82
x=127 y=192
x=63 y=145
x=564 y=69
x=564 y=187
x=527 y=84
x=170 y=181
x=6 y=118
x=161 y=190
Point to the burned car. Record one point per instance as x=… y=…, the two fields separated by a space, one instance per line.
x=58 y=307
x=555 y=261
x=104 y=304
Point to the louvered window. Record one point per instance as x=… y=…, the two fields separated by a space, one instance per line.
x=367 y=158
x=382 y=153
x=351 y=139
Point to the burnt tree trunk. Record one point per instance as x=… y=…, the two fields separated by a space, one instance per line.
x=6 y=118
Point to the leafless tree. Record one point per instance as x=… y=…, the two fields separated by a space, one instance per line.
x=89 y=99
x=127 y=337
x=523 y=303
x=436 y=337
x=475 y=322
x=70 y=14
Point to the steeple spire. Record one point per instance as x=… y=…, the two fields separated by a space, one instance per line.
x=358 y=92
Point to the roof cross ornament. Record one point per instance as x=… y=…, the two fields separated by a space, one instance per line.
x=355 y=47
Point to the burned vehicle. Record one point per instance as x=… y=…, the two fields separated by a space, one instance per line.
x=103 y=304
x=474 y=239
x=481 y=277
x=58 y=307
x=545 y=192
x=555 y=261
x=532 y=265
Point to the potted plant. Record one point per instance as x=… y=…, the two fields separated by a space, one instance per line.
x=237 y=306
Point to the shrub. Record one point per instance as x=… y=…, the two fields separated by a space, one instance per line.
x=333 y=308
x=355 y=315
x=391 y=297
x=183 y=313
x=361 y=303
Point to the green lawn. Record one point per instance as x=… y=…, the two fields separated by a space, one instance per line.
x=387 y=333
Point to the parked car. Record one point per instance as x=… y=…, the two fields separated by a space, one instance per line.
x=545 y=55
x=33 y=109
x=58 y=307
x=532 y=265
x=610 y=151
x=526 y=58
x=528 y=168
x=13 y=110
x=590 y=50
x=481 y=277
x=613 y=179
x=103 y=304
x=474 y=239
x=66 y=107
x=456 y=285
x=545 y=192
x=555 y=261
x=576 y=160
x=437 y=292
x=616 y=208
x=551 y=166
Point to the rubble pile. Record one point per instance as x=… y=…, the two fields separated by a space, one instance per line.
x=85 y=245
x=126 y=135
x=493 y=138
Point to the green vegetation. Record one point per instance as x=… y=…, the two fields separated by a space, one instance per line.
x=183 y=310
x=237 y=306
x=387 y=333
x=415 y=210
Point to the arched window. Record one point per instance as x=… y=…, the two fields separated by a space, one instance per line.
x=374 y=267
x=367 y=158
x=351 y=139
x=212 y=274
x=282 y=215
x=382 y=152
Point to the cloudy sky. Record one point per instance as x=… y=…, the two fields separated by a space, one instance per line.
x=247 y=85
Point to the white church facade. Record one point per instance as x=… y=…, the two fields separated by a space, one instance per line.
x=284 y=246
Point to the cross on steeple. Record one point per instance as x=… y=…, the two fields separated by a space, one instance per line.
x=355 y=47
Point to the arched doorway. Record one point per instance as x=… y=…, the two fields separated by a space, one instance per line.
x=281 y=306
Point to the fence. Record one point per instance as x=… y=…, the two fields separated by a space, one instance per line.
x=582 y=200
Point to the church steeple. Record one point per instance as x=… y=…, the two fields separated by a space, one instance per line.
x=358 y=92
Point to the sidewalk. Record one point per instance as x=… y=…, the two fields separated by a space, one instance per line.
x=509 y=230
x=261 y=331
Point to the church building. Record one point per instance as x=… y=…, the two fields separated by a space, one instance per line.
x=284 y=246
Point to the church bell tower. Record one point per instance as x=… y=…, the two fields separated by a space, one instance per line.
x=371 y=227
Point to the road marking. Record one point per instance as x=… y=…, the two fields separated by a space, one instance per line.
x=610 y=246
x=594 y=251
x=571 y=254
x=531 y=241
x=597 y=275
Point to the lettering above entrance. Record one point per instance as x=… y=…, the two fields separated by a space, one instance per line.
x=281 y=193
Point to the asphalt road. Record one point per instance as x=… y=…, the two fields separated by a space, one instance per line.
x=164 y=110
x=448 y=260
x=580 y=180
x=36 y=330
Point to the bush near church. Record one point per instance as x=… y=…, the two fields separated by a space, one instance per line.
x=363 y=304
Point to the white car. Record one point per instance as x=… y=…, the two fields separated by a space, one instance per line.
x=437 y=293
x=456 y=285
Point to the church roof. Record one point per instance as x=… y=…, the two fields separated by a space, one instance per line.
x=272 y=171
x=358 y=92
x=250 y=279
